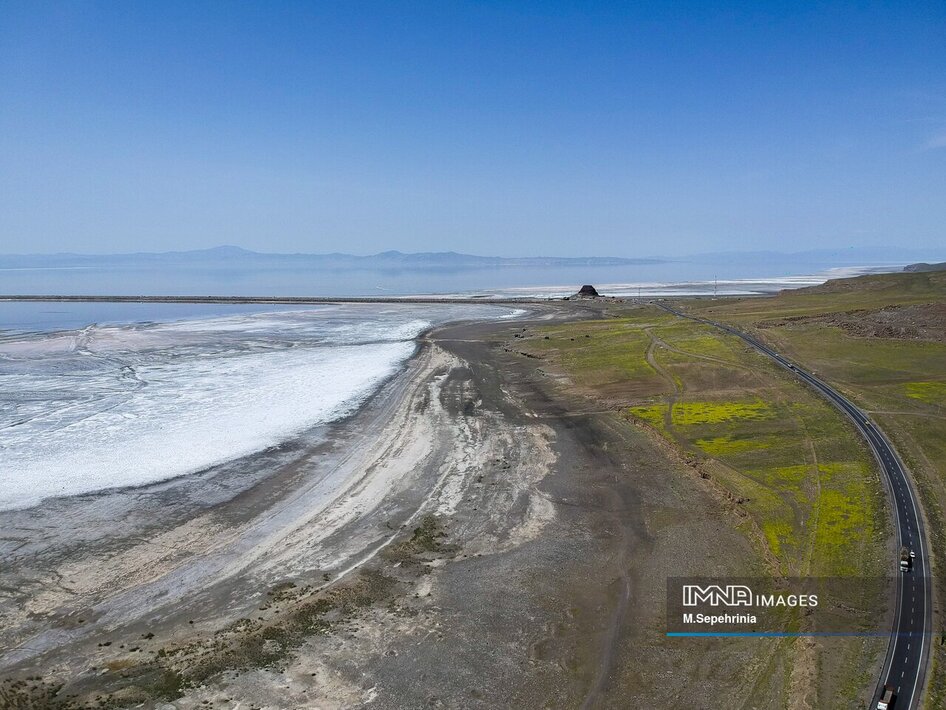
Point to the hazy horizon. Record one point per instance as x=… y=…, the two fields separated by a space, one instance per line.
x=881 y=252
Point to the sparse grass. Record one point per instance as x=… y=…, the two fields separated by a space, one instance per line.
x=295 y=612
x=900 y=381
x=782 y=454
x=601 y=353
x=929 y=392
x=865 y=292
x=653 y=414
x=701 y=341
x=776 y=443
x=426 y=538
x=723 y=446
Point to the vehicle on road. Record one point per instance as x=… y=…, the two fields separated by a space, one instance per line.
x=906 y=661
x=886 y=698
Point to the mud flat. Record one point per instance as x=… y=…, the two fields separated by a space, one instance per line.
x=475 y=536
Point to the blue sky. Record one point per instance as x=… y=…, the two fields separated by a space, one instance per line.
x=490 y=127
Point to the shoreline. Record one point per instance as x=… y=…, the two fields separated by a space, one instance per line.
x=470 y=500
x=342 y=445
x=349 y=407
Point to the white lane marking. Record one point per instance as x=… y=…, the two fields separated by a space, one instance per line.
x=876 y=441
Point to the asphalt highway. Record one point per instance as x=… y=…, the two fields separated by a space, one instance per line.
x=908 y=650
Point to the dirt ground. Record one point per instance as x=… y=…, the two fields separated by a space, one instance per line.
x=476 y=536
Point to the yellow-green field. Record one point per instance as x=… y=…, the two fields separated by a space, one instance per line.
x=898 y=377
x=929 y=392
x=809 y=490
x=794 y=463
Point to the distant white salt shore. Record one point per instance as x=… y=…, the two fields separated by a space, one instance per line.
x=655 y=289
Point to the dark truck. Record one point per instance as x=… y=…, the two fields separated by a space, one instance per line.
x=905 y=559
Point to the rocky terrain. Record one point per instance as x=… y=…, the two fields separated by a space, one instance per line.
x=909 y=322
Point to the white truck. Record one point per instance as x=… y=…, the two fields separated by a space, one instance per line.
x=886 y=698
x=906 y=558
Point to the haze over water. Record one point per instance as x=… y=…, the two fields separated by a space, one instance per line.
x=287 y=280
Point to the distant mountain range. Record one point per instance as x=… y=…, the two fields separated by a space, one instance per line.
x=237 y=257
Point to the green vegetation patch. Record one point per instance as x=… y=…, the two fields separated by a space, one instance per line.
x=746 y=447
x=785 y=478
x=929 y=392
x=701 y=341
x=653 y=414
x=779 y=534
x=900 y=378
x=599 y=352
x=709 y=412
x=780 y=453
x=720 y=446
x=841 y=524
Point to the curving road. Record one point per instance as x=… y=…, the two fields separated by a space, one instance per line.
x=908 y=650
